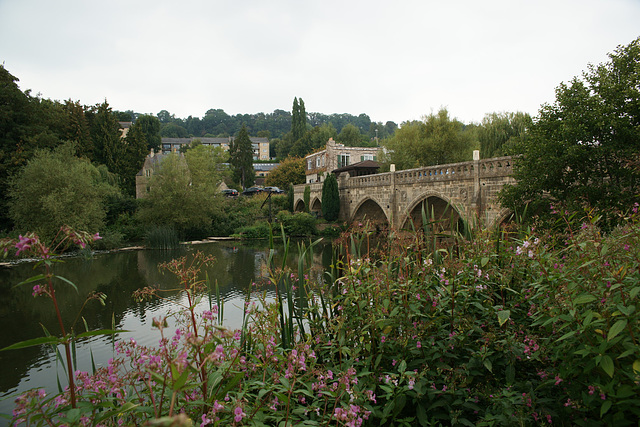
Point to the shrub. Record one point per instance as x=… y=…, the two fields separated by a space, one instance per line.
x=297 y=224
x=259 y=230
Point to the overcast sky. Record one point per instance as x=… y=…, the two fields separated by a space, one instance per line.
x=393 y=60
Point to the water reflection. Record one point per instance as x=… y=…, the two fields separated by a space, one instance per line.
x=117 y=275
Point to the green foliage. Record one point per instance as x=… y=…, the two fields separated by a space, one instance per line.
x=531 y=330
x=306 y=197
x=298 y=120
x=350 y=136
x=17 y=135
x=583 y=149
x=150 y=127
x=233 y=215
x=77 y=129
x=184 y=190
x=330 y=198
x=241 y=159
x=298 y=224
x=162 y=237
x=105 y=133
x=290 y=198
x=172 y=130
x=290 y=171
x=55 y=189
x=260 y=230
x=437 y=140
x=313 y=140
x=500 y=129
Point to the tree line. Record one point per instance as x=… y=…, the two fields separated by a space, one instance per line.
x=217 y=123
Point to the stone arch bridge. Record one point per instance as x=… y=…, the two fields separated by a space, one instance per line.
x=459 y=191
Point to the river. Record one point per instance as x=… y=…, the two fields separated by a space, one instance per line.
x=117 y=275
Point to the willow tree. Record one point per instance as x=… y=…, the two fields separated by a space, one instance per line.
x=500 y=130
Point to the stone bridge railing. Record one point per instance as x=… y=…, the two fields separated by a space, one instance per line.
x=499 y=166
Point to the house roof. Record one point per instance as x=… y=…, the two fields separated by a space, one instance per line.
x=360 y=167
x=211 y=141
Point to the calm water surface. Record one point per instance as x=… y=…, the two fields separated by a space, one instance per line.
x=117 y=275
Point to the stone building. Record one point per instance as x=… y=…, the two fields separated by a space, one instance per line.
x=335 y=156
x=260 y=145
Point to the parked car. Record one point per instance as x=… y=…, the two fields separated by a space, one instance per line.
x=230 y=192
x=252 y=191
x=274 y=190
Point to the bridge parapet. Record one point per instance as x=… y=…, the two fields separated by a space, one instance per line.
x=451 y=172
x=499 y=166
x=370 y=180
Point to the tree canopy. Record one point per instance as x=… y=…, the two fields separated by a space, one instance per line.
x=56 y=188
x=184 y=192
x=289 y=171
x=583 y=149
x=436 y=140
x=500 y=130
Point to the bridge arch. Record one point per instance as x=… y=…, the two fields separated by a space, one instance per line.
x=299 y=207
x=316 y=205
x=369 y=209
x=437 y=207
x=505 y=216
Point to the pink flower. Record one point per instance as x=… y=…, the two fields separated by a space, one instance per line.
x=205 y=420
x=96 y=237
x=419 y=344
x=23 y=244
x=383 y=339
x=558 y=380
x=239 y=414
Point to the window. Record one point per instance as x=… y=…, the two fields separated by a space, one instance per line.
x=318 y=161
x=367 y=157
x=309 y=164
x=343 y=160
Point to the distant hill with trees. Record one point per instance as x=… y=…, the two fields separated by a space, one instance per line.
x=217 y=123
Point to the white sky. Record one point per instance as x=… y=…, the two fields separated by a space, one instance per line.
x=393 y=60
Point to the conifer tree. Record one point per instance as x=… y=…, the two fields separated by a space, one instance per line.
x=241 y=160
x=298 y=120
x=330 y=198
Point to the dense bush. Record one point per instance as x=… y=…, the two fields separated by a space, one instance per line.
x=259 y=230
x=297 y=224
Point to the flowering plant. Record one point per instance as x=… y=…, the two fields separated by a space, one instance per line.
x=44 y=285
